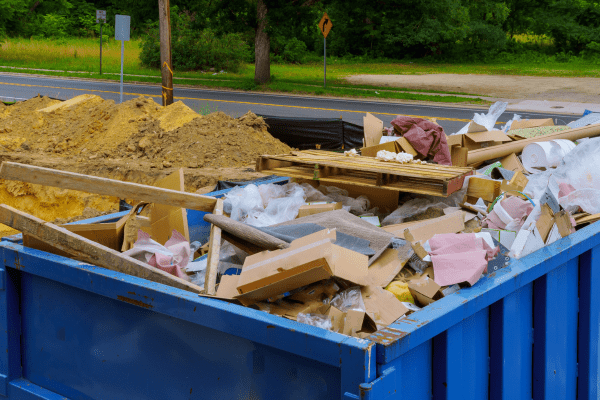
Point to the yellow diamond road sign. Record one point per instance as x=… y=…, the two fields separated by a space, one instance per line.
x=325 y=25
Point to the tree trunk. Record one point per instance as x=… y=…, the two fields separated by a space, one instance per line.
x=262 y=46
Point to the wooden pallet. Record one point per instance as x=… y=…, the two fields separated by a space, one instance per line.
x=328 y=167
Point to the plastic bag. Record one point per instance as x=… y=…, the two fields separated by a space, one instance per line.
x=489 y=120
x=240 y=201
x=318 y=320
x=349 y=299
x=506 y=127
x=578 y=178
x=358 y=206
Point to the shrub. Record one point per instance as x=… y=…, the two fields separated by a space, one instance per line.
x=194 y=49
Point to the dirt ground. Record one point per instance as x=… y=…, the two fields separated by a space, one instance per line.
x=578 y=90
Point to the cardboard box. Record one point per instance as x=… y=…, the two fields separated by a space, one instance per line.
x=400 y=145
x=385 y=268
x=316 y=208
x=512 y=162
x=478 y=140
x=309 y=259
x=480 y=188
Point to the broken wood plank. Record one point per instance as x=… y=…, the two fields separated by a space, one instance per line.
x=246 y=232
x=87 y=250
x=104 y=186
x=214 y=252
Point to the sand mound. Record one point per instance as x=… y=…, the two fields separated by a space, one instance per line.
x=89 y=127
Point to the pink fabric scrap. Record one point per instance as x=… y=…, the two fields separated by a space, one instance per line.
x=459 y=258
x=518 y=209
x=564 y=189
x=459 y=267
x=428 y=139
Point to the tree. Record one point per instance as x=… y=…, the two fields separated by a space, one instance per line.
x=262 y=46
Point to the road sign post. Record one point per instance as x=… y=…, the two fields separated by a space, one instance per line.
x=325 y=26
x=101 y=19
x=122 y=33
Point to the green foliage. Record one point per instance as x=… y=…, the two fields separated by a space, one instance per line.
x=194 y=49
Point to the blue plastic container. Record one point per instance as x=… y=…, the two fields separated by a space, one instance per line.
x=73 y=331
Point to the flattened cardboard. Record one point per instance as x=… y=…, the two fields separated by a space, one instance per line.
x=373 y=127
x=512 y=162
x=353 y=322
x=228 y=286
x=451 y=223
x=385 y=268
x=311 y=209
x=531 y=123
x=309 y=259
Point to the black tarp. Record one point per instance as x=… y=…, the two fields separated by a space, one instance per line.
x=306 y=133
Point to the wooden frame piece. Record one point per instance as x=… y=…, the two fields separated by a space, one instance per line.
x=214 y=251
x=87 y=250
x=104 y=186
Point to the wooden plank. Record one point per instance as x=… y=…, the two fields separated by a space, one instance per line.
x=214 y=251
x=87 y=250
x=103 y=186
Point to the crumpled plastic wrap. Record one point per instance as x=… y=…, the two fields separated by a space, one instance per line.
x=487 y=120
x=319 y=320
x=402 y=158
x=506 y=128
x=172 y=258
x=349 y=299
x=578 y=178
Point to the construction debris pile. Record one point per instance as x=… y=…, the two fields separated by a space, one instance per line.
x=356 y=241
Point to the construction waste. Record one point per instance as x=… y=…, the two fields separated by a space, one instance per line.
x=337 y=257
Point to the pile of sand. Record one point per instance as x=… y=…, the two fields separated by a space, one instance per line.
x=89 y=127
x=138 y=141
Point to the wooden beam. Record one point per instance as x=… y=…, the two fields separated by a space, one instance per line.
x=87 y=250
x=166 y=64
x=214 y=251
x=104 y=186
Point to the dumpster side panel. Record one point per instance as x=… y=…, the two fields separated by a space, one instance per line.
x=10 y=329
x=589 y=325
x=461 y=361
x=94 y=347
x=555 y=333
x=511 y=346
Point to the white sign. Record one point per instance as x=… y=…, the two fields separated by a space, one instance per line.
x=100 y=16
x=122 y=27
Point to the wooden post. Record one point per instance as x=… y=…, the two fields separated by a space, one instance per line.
x=164 y=15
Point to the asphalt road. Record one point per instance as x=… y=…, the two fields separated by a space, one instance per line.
x=22 y=86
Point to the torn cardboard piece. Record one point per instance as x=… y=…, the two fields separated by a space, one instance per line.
x=531 y=123
x=424 y=290
x=385 y=268
x=512 y=163
x=517 y=183
x=309 y=259
x=399 y=145
x=373 y=128
x=451 y=223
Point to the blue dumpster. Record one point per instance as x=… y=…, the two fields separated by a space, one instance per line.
x=69 y=330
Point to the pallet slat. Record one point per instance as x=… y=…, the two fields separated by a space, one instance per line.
x=328 y=167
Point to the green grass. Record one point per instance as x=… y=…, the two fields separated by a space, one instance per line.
x=80 y=56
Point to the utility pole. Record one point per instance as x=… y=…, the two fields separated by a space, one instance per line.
x=166 y=65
